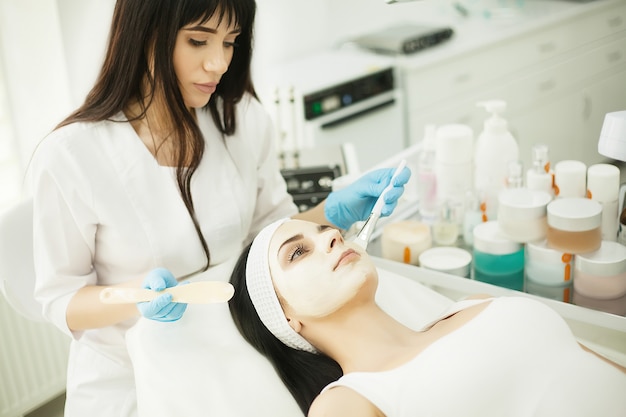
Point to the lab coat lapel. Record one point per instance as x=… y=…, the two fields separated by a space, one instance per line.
x=153 y=194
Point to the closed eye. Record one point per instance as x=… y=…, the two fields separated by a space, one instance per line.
x=297 y=251
x=195 y=42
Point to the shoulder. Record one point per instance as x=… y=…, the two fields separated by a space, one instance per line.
x=73 y=136
x=342 y=401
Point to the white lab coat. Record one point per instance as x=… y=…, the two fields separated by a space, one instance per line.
x=105 y=212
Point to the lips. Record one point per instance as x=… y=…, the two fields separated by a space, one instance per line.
x=345 y=257
x=206 y=88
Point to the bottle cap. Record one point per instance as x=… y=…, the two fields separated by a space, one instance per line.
x=571 y=178
x=489 y=239
x=516 y=204
x=454 y=144
x=495 y=123
x=603 y=182
x=609 y=260
x=540 y=158
x=574 y=214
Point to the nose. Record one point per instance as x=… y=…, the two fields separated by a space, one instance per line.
x=216 y=61
x=333 y=237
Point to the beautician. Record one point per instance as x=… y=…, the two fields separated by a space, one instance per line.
x=167 y=169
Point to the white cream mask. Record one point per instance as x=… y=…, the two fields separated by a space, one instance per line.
x=314 y=271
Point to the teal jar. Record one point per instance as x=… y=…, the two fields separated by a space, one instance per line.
x=497 y=259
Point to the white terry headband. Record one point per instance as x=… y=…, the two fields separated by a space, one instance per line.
x=263 y=295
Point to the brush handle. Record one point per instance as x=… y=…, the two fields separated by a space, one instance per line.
x=200 y=292
x=378 y=206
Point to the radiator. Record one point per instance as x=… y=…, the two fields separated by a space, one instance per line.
x=33 y=362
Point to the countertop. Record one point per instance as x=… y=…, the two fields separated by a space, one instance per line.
x=486 y=27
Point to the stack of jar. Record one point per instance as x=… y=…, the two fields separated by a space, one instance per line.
x=555 y=235
x=571 y=249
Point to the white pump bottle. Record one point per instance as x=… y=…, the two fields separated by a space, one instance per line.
x=495 y=149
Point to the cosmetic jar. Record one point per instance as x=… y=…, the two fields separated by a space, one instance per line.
x=574 y=225
x=548 y=272
x=404 y=241
x=601 y=274
x=497 y=259
x=570 y=179
x=522 y=214
x=451 y=260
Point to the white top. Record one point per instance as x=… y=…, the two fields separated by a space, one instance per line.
x=517 y=358
x=105 y=212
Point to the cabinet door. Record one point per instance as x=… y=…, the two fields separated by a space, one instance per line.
x=556 y=123
x=604 y=96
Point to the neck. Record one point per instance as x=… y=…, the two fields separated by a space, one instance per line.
x=364 y=338
x=153 y=131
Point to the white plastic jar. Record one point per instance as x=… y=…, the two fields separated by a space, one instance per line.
x=404 y=241
x=574 y=225
x=548 y=272
x=451 y=260
x=548 y=266
x=601 y=274
x=522 y=214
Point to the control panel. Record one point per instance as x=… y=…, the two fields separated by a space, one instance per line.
x=323 y=102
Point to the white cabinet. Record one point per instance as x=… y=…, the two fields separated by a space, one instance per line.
x=558 y=77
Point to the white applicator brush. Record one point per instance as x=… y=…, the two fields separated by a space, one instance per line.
x=362 y=238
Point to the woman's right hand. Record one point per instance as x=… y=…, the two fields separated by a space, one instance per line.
x=161 y=308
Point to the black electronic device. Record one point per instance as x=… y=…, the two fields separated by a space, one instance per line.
x=405 y=38
x=337 y=97
x=310 y=185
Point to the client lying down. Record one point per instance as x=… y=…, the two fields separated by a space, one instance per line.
x=304 y=298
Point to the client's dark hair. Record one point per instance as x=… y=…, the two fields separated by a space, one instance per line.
x=305 y=374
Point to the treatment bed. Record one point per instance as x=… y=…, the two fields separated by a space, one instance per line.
x=200 y=365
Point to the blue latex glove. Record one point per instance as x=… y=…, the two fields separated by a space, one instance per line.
x=161 y=308
x=355 y=202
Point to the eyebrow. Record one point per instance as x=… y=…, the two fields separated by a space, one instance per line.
x=200 y=28
x=320 y=229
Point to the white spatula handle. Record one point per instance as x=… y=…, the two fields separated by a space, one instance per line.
x=201 y=292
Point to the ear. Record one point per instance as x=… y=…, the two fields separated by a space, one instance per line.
x=296 y=325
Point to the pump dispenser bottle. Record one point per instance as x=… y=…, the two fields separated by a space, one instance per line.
x=495 y=149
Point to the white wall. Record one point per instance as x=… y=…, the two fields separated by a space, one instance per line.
x=290 y=29
x=85 y=28
x=51 y=50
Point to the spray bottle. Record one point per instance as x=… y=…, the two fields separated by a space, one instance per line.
x=540 y=176
x=495 y=148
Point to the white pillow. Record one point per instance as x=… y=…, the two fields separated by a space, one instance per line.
x=201 y=366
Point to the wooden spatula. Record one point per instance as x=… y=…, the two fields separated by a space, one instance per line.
x=200 y=292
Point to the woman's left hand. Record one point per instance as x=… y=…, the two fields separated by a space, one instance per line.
x=355 y=202
x=161 y=308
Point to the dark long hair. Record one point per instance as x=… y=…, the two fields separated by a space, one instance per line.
x=142 y=35
x=304 y=374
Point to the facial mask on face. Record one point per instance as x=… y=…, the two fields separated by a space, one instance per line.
x=323 y=280
x=318 y=295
